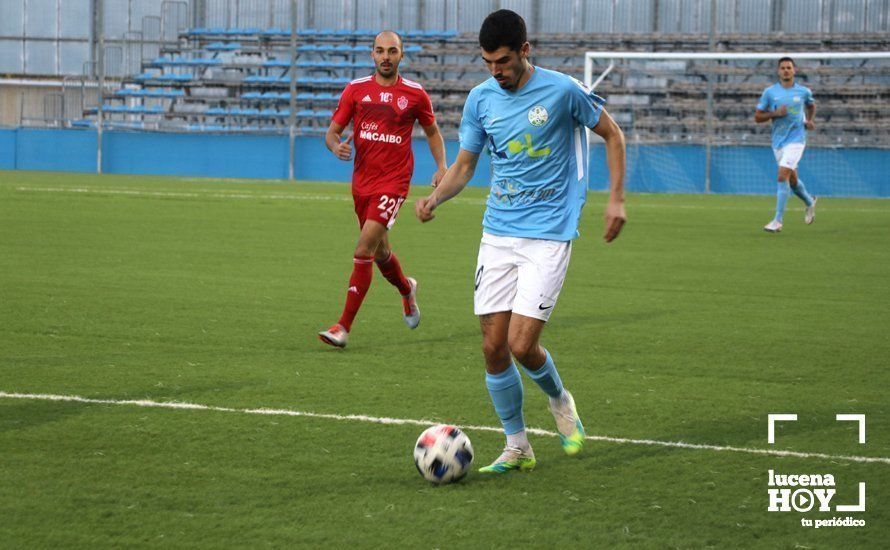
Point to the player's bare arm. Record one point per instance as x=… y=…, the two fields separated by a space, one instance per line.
x=453 y=182
x=437 y=149
x=615 y=216
x=766 y=116
x=333 y=140
x=810 y=111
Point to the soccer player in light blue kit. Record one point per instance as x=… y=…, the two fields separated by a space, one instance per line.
x=791 y=108
x=532 y=122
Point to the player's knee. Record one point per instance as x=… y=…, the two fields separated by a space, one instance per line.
x=495 y=352
x=382 y=254
x=523 y=349
x=364 y=251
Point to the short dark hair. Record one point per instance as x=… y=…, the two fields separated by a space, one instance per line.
x=784 y=59
x=503 y=28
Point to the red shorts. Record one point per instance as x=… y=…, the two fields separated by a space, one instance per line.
x=380 y=207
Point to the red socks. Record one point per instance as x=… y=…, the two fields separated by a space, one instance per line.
x=392 y=270
x=359 y=283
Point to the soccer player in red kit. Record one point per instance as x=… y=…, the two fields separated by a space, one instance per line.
x=382 y=108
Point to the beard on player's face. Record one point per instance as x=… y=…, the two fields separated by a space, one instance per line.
x=388 y=70
x=786 y=74
x=506 y=66
x=507 y=75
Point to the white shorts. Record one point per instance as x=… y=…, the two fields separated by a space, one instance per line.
x=789 y=156
x=519 y=275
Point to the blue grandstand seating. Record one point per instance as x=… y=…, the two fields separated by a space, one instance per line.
x=223 y=46
x=253 y=99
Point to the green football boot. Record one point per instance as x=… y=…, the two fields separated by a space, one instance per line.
x=513 y=458
x=571 y=431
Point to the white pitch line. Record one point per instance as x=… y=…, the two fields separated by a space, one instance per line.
x=307 y=197
x=412 y=422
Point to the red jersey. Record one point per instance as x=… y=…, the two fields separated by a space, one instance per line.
x=383 y=118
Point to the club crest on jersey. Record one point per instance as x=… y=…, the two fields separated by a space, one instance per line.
x=538 y=115
x=402 y=103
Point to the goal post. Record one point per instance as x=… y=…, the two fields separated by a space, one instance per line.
x=689 y=123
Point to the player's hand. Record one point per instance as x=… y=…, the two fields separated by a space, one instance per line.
x=810 y=125
x=343 y=150
x=780 y=112
x=423 y=209
x=437 y=177
x=615 y=218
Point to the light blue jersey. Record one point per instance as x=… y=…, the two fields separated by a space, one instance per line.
x=789 y=128
x=538 y=149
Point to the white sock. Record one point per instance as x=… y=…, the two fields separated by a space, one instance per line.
x=519 y=439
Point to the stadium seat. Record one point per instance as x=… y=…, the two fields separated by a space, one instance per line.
x=223 y=47
x=277 y=63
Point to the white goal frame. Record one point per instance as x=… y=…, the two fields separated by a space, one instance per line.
x=611 y=57
x=715 y=56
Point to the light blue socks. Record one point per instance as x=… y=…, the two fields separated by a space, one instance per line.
x=546 y=377
x=506 y=394
x=782 y=195
x=801 y=191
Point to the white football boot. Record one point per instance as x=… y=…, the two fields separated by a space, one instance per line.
x=571 y=431
x=411 y=312
x=336 y=336
x=773 y=227
x=810 y=216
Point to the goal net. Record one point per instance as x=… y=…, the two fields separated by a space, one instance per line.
x=689 y=121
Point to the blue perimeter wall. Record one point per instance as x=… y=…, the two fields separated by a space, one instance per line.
x=652 y=168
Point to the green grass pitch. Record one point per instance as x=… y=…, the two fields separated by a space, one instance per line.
x=692 y=326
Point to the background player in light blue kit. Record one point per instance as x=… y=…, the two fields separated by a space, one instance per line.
x=532 y=121
x=791 y=108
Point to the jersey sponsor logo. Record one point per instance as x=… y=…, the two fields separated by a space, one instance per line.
x=380 y=136
x=515 y=147
x=402 y=102
x=506 y=192
x=538 y=115
x=386 y=97
x=367 y=99
x=797 y=99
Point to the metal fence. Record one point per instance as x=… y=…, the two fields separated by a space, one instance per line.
x=58 y=37
x=57 y=54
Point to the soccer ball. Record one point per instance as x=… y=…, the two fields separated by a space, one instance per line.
x=443 y=454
